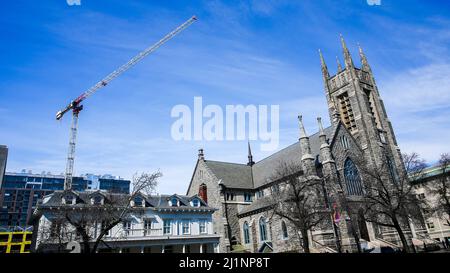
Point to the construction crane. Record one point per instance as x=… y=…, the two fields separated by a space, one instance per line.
x=76 y=106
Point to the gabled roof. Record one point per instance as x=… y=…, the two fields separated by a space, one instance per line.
x=155 y=201
x=263 y=170
x=242 y=176
x=232 y=175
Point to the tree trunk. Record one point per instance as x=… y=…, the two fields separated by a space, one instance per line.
x=401 y=234
x=305 y=240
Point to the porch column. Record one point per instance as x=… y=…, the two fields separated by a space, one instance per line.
x=142 y=249
x=201 y=248
x=184 y=248
x=162 y=248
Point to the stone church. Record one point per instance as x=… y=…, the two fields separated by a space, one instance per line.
x=360 y=127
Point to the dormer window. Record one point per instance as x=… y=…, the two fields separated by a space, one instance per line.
x=195 y=202
x=97 y=200
x=174 y=202
x=138 y=201
x=69 y=199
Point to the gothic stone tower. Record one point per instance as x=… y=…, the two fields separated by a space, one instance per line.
x=353 y=97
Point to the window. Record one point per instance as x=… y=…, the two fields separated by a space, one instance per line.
x=174 y=202
x=167 y=226
x=421 y=196
x=15 y=248
x=352 y=178
x=147 y=226
x=138 y=201
x=186 y=227
x=196 y=203
x=97 y=200
x=276 y=188
x=346 y=111
x=260 y=193
x=202 y=226
x=372 y=107
x=229 y=196
x=392 y=170
x=247 y=197
x=262 y=229
x=69 y=199
x=345 y=143
x=246 y=233
x=127 y=227
x=284 y=230
x=103 y=226
x=430 y=225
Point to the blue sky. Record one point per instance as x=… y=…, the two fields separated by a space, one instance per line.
x=239 y=52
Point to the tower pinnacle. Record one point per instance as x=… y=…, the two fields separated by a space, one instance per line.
x=325 y=72
x=250 y=156
x=338 y=64
x=347 y=56
x=364 y=62
x=302 y=127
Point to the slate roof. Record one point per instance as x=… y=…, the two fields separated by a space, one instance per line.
x=237 y=176
x=241 y=176
x=156 y=201
x=259 y=203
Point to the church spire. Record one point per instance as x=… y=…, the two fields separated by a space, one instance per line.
x=250 y=156
x=338 y=64
x=325 y=72
x=347 y=56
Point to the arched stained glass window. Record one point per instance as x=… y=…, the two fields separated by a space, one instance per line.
x=246 y=233
x=352 y=178
x=262 y=229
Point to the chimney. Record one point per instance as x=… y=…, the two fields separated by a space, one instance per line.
x=203 y=192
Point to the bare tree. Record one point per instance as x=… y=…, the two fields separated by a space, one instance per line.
x=299 y=200
x=440 y=188
x=90 y=223
x=389 y=197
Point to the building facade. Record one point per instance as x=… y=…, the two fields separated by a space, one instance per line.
x=360 y=128
x=20 y=192
x=15 y=241
x=3 y=160
x=437 y=223
x=153 y=224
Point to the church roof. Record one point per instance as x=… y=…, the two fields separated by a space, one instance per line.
x=233 y=175
x=260 y=203
x=242 y=176
x=263 y=170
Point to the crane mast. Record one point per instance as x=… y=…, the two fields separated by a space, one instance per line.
x=76 y=106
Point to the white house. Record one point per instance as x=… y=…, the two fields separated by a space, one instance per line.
x=153 y=224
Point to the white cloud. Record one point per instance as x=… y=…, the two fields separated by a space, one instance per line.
x=418 y=104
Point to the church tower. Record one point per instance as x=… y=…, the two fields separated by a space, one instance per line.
x=353 y=98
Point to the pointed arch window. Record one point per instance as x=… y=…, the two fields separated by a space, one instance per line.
x=392 y=170
x=262 y=229
x=284 y=230
x=246 y=233
x=352 y=178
